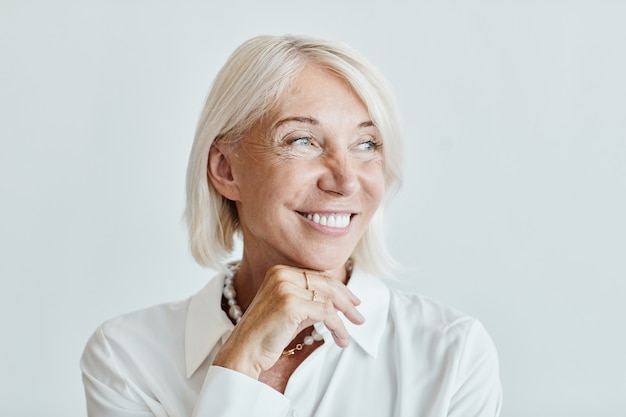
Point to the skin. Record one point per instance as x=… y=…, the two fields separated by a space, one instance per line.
x=318 y=152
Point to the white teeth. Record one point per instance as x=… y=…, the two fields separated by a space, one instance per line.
x=330 y=220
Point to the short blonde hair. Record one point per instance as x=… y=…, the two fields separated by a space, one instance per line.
x=247 y=87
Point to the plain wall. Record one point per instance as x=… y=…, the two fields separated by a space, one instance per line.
x=514 y=116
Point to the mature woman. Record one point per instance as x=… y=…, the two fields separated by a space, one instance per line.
x=296 y=148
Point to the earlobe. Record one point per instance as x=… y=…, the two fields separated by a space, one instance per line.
x=220 y=172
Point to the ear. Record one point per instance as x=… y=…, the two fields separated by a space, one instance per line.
x=220 y=171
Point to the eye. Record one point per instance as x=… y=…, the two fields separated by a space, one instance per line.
x=369 y=145
x=306 y=141
x=300 y=145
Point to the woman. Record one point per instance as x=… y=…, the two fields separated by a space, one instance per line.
x=296 y=148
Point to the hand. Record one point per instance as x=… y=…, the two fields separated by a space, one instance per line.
x=281 y=309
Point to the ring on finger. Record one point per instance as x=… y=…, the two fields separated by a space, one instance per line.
x=313 y=295
x=307 y=280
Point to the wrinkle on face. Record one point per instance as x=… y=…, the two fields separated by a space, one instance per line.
x=318 y=151
x=302 y=138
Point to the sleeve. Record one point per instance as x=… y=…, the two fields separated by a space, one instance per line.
x=111 y=392
x=478 y=392
x=227 y=393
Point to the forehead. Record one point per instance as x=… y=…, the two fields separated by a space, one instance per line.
x=317 y=91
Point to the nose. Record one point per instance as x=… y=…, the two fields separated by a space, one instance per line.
x=339 y=176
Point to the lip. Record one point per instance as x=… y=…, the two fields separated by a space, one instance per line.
x=325 y=229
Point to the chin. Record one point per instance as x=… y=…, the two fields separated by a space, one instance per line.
x=330 y=262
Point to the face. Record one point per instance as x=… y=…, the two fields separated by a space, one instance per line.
x=308 y=178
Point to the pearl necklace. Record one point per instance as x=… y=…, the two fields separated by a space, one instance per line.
x=235 y=313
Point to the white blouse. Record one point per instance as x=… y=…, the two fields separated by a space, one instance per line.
x=412 y=357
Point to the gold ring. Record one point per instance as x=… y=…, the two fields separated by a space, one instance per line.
x=307 y=279
x=314 y=295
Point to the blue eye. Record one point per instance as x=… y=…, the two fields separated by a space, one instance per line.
x=302 y=141
x=369 y=145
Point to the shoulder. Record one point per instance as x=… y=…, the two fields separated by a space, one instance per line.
x=126 y=359
x=163 y=319
x=456 y=344
x=420 y=317
x=420 y=310
x=129 y=334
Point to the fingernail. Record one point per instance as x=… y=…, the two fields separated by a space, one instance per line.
x=360 y=316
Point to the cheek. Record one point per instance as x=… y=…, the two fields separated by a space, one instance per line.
x=373 y=180
x=268 y=186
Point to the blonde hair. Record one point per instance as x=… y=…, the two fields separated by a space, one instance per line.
x=248 y=86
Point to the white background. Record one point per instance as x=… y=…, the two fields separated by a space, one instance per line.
x=514 y=114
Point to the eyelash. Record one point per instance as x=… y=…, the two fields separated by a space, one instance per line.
x=293 y=141
x=374 y=144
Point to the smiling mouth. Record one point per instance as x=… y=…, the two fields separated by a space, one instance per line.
x=339 y=221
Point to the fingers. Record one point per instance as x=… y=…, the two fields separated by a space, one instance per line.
x=322 y=298
x=289 y=300
x=331 y=296
x=335 y=293
x=323 y=310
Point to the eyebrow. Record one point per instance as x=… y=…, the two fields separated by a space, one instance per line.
x=301 y=119
x=315 y=122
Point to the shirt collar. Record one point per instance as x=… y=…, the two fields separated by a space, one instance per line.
x=375 y=299
x=207 y=322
